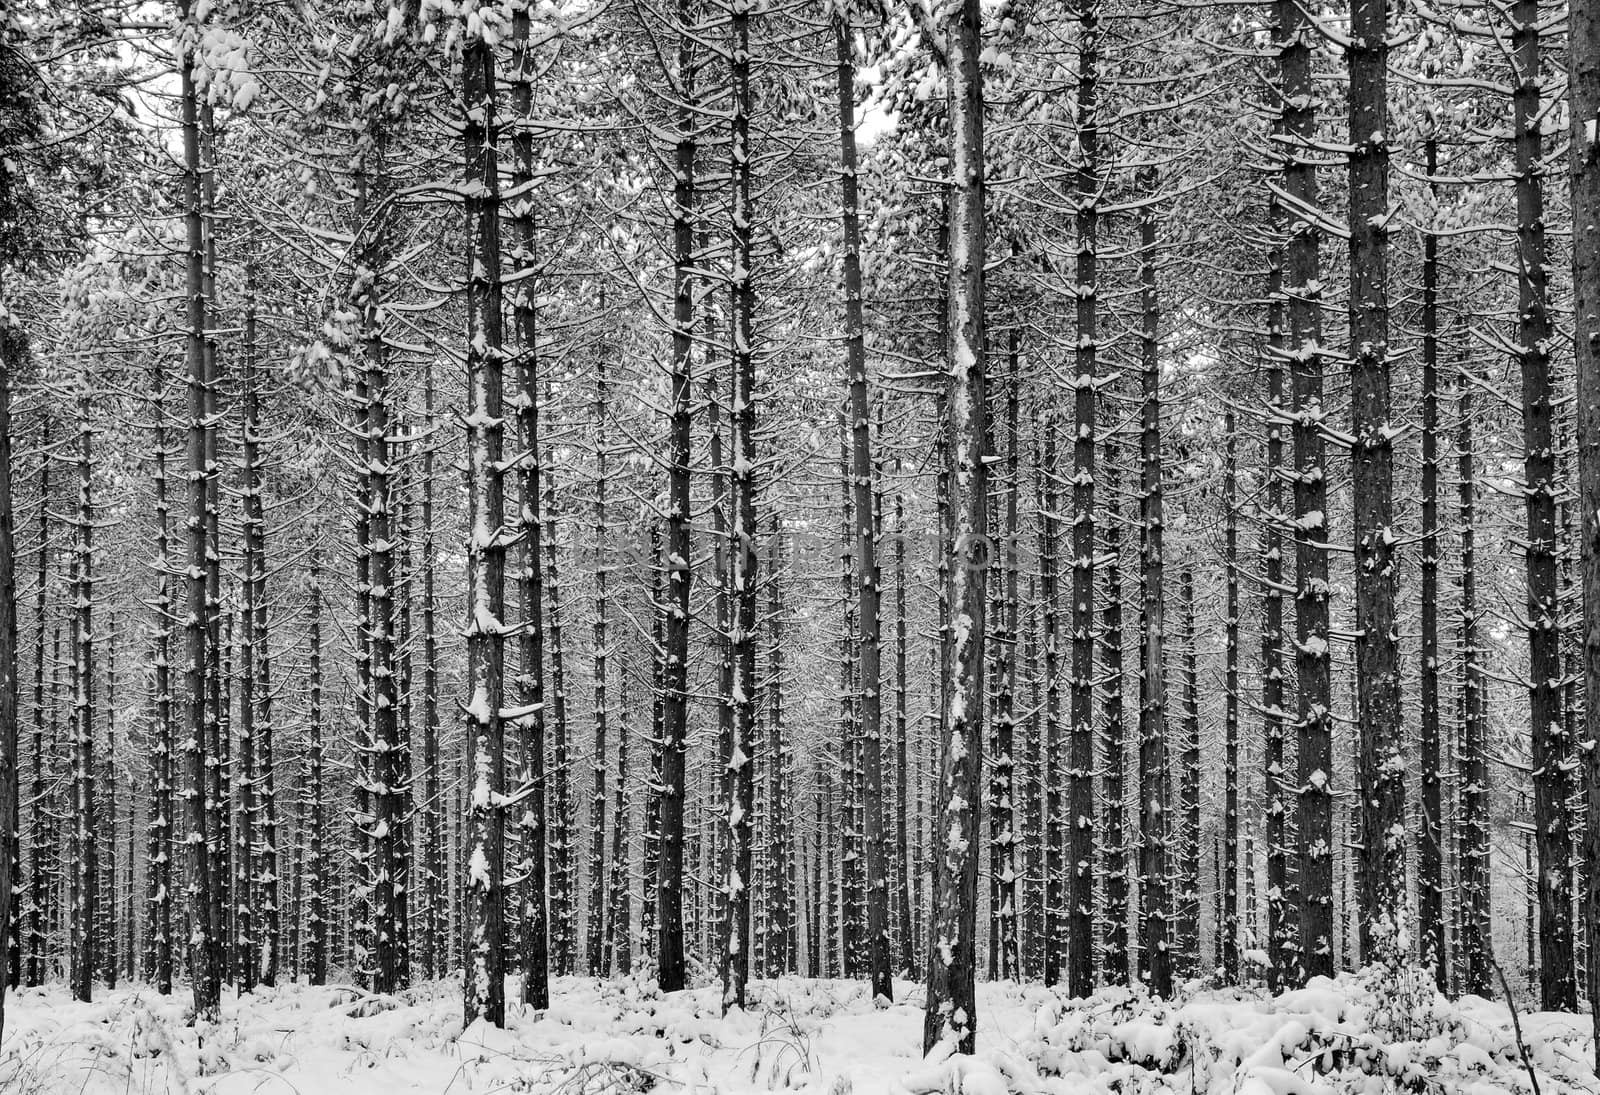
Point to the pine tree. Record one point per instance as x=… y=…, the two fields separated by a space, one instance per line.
x=1584 y=88
x=951 y=1011
x=1430 y=837
x=204 y=956
x=1080 y=759
x=672 y=970
x=1382 y=764
x=12 y=355
x=1156 y=909
x=530 y=719
x=85 y=896
x=486 y=546
x=1551 y=752
x=868 y=573
x=1584 y=172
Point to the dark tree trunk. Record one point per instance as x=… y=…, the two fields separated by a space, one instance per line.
x=216 y=680
x=1430 y=837
x=619 y=924
x=782 y=944
x=594 y=952
x=435 y=890
x=672 y=970
x=657 y=740
x=86 y=836
x=530 y=722
x=907 y=869
x=951 y=1013
x=484 y=951
x=1155 y=958
x=1584 y=87
x=1228 y=939
x=1080 y=759
x=1004 y=866
x=201 y=930
x=1114 y=924
x=1552 y=782
x=1382 y=765
x=12 y=354
x=1314 y=832
x=557 y=788
x=160 y=845
x=867 y=572
x=851 y=879
x=317 y=885
x=743 y=557
x=1052 y=833
x=41 y=845
x=1187 y=934
x=1280 y=931
x=244 y=936
x=1472 y=841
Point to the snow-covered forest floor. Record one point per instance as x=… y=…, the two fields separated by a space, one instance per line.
x=1353 y=1035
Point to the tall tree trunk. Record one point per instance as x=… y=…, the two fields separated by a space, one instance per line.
x=41 y=846
x=1052 y=833
x=404 y=491
x=741 y=756
x=652 y=806
x=1314 y=836
x=253 y=611
x=1382 y=775
x=851 y=875
x=1155 y=958
x=555 y=779
x=222 y=796
x=485 y=995
x=106 y=909
x=1584 y=87
x=1029 y=815
x=1080 y=760
x=672 y=970
x=1187 y=934
x=1114 y=923
x=1430 y=838
x=743 y=563
x=530 y=721
x=436 y=892
x=163 y=744
x=317 y=903
x=782 y=943
x=1558 y=990
x=875 y=877
x=618 y=927
x=244 y=804
x=907 y=870
x=1472 y=843
x=85 y=819
x=12 y=354
x=381 y=775
x=202 y=928
x=1005 y=868
x=602 y=609
x=1228 y=937
x=619 y=923
x=951 y=1013
x=54 y=806
x=217 y=682
x=1280 y=930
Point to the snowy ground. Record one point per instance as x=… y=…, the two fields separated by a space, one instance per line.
x=822 y=1037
